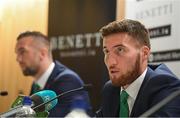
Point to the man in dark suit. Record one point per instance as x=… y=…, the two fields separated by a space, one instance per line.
x=35 y=59
x=134 y=86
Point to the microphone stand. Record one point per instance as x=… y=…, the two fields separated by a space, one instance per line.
x=70 y=91
x=161 y=104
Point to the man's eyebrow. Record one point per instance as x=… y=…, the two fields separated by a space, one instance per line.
x=118 y=45
x=20 y=49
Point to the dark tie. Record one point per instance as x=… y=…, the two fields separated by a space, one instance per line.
x=124 y=109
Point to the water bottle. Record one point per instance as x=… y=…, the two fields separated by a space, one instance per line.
x=26 y=110
x=77 y=113
x=78 y=109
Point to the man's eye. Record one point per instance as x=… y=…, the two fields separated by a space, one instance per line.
x=119 y=51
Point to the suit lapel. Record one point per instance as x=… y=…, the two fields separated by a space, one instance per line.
x=116 y=103
x=57 y=69
x=136 y=110
x=113 y=102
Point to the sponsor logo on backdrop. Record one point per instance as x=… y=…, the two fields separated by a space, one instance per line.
x=162 y=56
x=76 y=45
x=162 y=10
x=160 y=31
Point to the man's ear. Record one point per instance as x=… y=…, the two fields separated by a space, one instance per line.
x=43 y=53
x=145 y=52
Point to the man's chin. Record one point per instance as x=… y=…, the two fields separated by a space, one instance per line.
x=115 y=83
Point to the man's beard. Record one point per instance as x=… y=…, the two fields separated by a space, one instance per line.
x=132 y=74
x=29 y=72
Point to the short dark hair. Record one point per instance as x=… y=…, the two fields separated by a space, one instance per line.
x=133 y=28
x=36 y=35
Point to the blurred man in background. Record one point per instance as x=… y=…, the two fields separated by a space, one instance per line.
x=35 y=59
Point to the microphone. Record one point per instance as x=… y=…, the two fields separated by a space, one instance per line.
x=43 y=97
x=42 y=101
x=84 y=87
x=37 y=98
x=3 y=93
x=161 y=104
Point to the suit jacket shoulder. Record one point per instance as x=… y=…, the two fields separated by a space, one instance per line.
x=61 y=80
x=110 y=101
x=62 y=74
x=159 y=82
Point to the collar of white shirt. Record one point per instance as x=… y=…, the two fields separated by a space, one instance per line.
x=44 y=77
x=133 y=90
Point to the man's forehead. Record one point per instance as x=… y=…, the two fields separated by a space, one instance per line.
x=24 y=41
x=115 y=44
x=120 y=40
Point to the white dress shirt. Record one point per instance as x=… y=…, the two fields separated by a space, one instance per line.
x=133 y=90
x=44 y=77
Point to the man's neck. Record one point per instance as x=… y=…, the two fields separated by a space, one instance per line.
x=42 y=68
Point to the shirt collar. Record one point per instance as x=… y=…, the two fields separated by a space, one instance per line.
x=44 y=77
x=134 y=87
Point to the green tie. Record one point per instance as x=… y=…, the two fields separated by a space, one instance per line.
x=124 y=109
x=35 y=88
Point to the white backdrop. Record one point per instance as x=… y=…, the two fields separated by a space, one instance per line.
x=162 y=18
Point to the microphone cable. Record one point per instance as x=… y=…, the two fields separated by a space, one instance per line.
x=64 y=93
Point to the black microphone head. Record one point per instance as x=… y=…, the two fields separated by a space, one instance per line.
x=3 y=93
x=37 y=100
x=42 y=100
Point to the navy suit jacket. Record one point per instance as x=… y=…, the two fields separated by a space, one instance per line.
x=61 y=80
x=159 y=82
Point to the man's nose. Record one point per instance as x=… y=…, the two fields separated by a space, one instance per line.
x=19 y=58
x=112 y=61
